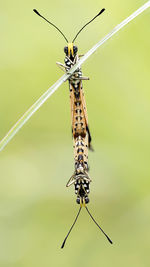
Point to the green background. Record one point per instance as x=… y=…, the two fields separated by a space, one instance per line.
x=36 y=209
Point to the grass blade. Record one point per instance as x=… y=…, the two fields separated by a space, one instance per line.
x=111 y=33
x=28 y=114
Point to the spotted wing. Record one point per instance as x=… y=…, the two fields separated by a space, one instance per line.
x=86 y=115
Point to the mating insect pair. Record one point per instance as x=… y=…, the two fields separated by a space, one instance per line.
x=80 y=128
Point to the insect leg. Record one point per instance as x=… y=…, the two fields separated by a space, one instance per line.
x=61 y=66
x=71 y=180
x=80 y=78
x=83 y=78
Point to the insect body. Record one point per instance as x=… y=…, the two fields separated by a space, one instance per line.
x=80 y=178
x=80 y=128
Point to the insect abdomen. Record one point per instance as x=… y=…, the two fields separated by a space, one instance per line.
x=81 y=153
x=79 y=123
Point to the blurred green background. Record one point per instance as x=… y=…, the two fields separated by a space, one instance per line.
x=36 y=209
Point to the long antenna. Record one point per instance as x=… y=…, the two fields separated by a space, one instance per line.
x=89 y=23
x=71 y=228
x=50 y=23
x=98 y=226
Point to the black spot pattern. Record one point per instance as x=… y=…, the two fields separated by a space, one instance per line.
x=80 y=150
x=80 y=157
x=82 y=187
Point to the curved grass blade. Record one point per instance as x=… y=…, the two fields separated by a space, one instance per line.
x=28 y=114
x=111 y=33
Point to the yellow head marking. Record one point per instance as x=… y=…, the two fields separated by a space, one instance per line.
x=82 y=202
x=70 y=49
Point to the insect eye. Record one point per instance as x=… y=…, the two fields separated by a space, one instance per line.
x=78 y=200
x=86 y=200
x=75 y=49
x=66 y=50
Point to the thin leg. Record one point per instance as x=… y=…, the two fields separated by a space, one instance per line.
x=84 y=78
x=61 y=66
x=69 y=59
x=81 y=78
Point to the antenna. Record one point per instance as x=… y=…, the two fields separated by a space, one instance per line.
x=71 y=228
x=99 y=226
x=50 y=23
x=89 y=23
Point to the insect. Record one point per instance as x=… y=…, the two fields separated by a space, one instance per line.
x=80 y=128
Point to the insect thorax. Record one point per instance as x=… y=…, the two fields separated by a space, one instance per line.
x=82 y=190
x=70 y=62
